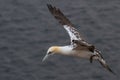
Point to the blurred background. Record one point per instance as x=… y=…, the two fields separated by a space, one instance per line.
x=27 y=30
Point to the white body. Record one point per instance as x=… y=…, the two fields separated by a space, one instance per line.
x=68 y=50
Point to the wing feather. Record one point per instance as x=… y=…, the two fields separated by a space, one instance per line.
x=69 y=27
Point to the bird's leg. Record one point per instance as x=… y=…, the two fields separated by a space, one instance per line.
x=91 y=58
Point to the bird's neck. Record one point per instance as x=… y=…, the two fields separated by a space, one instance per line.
x=65 y=50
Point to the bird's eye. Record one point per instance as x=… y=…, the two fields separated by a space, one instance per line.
x=49 y=53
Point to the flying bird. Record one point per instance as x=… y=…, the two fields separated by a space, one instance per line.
x=78 y=47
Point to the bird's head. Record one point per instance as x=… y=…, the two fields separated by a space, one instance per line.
x=52 y=50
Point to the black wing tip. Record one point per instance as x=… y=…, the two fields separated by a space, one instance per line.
x=57 y=13
x=49 y=5
x=51 y=8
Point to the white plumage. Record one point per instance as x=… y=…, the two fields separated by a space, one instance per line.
x=78 y=47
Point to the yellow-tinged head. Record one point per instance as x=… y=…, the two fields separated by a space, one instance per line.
x=52 y=50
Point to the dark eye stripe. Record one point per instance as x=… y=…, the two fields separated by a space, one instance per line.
x=49 y=53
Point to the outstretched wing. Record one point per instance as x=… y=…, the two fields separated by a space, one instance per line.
x=74 y=35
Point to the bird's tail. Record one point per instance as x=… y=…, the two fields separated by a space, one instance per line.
x=105 y=65
x=99 y=57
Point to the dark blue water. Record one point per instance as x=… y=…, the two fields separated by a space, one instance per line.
x=27 y=30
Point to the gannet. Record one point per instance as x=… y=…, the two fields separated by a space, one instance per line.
x=78 y=47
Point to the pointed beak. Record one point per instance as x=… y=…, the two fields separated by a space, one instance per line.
x=46 y=56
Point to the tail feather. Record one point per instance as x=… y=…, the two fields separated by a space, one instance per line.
x=104 y=64
x=99 y=57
